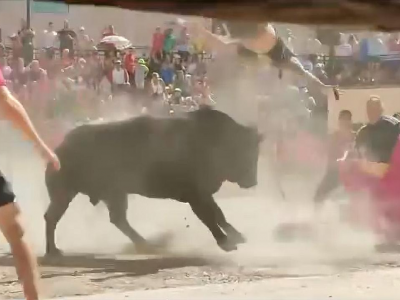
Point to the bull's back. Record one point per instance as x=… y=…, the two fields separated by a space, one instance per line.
x=124 y=151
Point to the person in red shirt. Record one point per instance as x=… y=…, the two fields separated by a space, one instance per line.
x=129 y=64
x=158 y=42
x=66 y=60
x=10 y=224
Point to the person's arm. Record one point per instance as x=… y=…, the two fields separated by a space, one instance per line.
x=15 y=112
x=209 y=37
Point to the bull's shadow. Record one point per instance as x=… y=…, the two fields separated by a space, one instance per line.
x=131 y=267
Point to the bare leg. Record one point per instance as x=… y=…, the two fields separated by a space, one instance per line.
x=25 y=263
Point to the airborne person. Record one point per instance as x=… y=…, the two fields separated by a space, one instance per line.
x=253 y=42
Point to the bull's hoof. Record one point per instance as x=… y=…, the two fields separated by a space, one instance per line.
x=54 y=254
x=238 y=238
x=227 y=245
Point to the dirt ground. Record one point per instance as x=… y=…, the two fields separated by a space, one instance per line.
x=99 y=259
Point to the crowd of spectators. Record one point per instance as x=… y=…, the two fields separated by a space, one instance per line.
x=356 y=59
x=62 y=74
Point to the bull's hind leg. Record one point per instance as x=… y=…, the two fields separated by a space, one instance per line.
x=118 y=207
x=204 y=208
x=59 y=202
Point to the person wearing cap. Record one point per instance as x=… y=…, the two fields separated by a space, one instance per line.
x=10 y=213
x=177 y=98
x=141 y=71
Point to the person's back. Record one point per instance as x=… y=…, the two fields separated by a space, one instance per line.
x=376 y=141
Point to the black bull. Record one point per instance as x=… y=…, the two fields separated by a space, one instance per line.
x=186 y=159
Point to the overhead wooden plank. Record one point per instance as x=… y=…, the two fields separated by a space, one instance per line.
x=366 y=14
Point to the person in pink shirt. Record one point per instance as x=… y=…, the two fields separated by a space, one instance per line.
x=129 y=64
x=158 y=42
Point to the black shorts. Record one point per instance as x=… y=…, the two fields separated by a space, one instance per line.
x=280 y=52
x=6 y=194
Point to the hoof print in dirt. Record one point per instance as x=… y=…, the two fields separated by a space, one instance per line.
x=387 y=248
x=147 y=249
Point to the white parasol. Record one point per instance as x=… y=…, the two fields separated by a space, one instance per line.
x=114 y=41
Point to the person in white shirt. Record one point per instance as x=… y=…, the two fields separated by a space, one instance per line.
x=119 y=78
x=157 y=86
x=50 y=39
x=344 y=49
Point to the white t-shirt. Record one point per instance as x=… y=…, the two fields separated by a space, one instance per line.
x=49 y=39
x=118 y=76
x=344 y=50
x=157 y=88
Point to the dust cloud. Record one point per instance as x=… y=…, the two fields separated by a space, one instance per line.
x=256 y=212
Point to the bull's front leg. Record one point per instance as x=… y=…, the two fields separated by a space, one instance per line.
x=60 y=198
x=203 y=207
x=233 y=234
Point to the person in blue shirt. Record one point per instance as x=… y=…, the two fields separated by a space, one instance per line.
x=167 y=73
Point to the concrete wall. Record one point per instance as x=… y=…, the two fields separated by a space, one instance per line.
x=136 y=26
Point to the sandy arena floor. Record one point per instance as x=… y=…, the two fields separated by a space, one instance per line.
x=100 y=260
